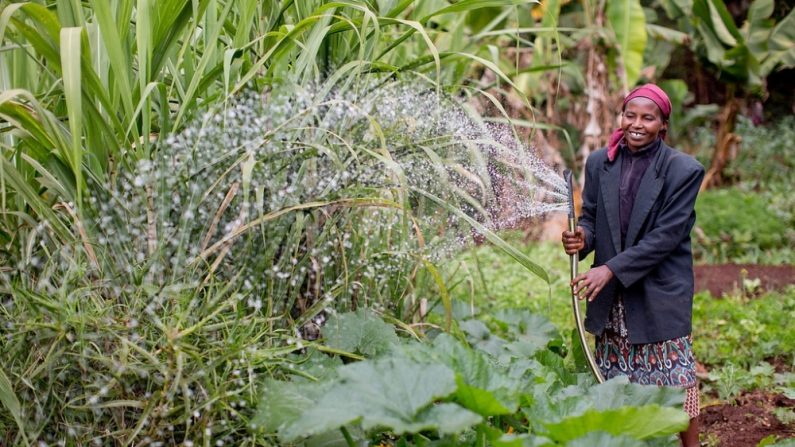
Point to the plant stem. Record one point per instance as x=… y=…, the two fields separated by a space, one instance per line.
x=348 y=437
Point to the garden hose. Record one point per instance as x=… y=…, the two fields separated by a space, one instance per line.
x=575 y=302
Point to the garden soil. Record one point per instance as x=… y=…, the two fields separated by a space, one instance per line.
x=747 y=420
x=728 y=278
x=751 y=417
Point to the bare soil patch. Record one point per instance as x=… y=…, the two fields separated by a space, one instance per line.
x=746 y=421
x=727 y=278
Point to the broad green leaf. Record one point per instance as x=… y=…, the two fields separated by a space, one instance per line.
x=629 y=24
x=282 y=402
x=618 y=393
x=397 y=394
x=713 y=46
x=360 y=331
x=483 y=386
x=485 y=402
x=532 y=332
x=601 y=438
x=723 y=23
x=637 y=422
x=781 y=45
x=479 y=336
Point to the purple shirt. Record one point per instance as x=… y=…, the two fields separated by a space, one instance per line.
x=633 y=166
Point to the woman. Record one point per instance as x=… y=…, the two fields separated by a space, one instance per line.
x=637 y=213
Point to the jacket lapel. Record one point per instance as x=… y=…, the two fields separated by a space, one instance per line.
x=650 y=187
x=609 y=186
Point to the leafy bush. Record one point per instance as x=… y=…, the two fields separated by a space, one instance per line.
x=766 y=155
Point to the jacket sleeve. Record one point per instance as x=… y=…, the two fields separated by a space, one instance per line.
x=671 y=227
x=590 y=195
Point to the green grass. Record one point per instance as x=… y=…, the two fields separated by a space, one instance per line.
x=490 y=280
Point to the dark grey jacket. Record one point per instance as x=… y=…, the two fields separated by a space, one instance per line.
x=655 y=270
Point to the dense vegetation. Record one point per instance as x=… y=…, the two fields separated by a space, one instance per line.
x=197 y=195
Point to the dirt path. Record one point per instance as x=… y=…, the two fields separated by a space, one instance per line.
x=725 y=278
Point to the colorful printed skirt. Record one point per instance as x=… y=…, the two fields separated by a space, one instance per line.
x=665 y=363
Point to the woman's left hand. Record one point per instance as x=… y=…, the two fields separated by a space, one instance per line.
x=589 y=284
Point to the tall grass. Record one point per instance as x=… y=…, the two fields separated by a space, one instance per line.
x=169 y=243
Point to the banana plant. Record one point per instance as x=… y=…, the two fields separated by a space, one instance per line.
x=741 y=57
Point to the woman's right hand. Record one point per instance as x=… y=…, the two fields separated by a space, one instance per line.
x=573 y=241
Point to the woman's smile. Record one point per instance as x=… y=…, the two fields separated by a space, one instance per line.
x=642 y=122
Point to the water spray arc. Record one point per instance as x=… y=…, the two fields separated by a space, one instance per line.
x=575 y=302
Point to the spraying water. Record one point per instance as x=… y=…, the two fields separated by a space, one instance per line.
x=257 y=191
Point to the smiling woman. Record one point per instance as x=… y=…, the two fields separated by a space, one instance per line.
x=637 y=213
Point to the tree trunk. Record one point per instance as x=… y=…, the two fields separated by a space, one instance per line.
x=725 y=141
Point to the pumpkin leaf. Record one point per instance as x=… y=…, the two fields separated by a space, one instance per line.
x=397 y=394
x=637 y=422
x=361 y=331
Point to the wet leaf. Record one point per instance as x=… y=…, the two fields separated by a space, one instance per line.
x=360 y=331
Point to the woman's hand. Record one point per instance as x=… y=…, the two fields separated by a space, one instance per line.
x=589 y=284
x=573 y=241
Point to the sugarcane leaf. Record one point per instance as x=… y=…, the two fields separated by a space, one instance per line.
x=9 y=400
x=470 y=5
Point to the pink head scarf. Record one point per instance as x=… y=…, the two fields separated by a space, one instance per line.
x=648 y=91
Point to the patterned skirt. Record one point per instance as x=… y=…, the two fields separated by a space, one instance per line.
x=665 y=363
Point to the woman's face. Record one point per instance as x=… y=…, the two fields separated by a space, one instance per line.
x=641 y=122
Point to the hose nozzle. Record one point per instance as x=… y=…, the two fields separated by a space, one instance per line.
x=570 y=190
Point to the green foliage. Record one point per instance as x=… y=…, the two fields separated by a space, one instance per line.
x=745 y=331
x=488 y=280
x=439 y=390
x=742 y=54
x=766 y=155
x=752 y=221
x=736 y=225
x=161 y=250
x=361 y=332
